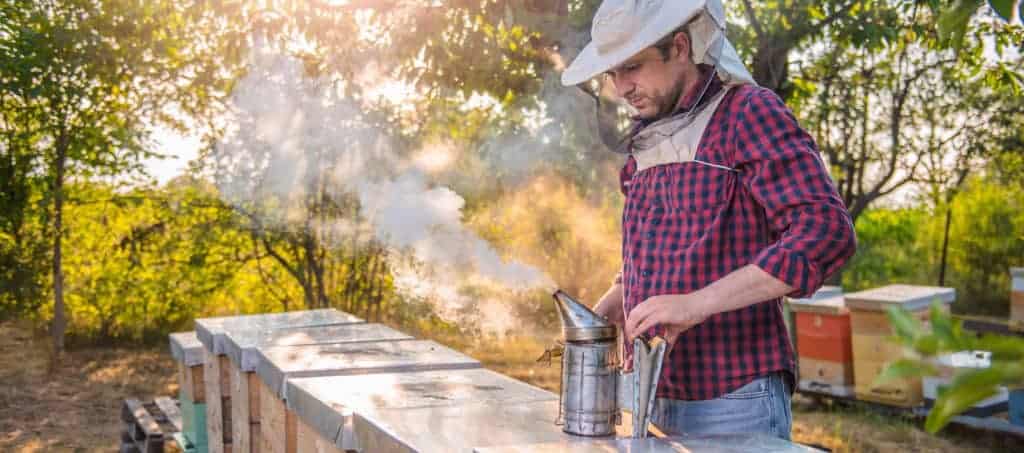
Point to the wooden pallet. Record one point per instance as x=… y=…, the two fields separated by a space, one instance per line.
x=149 y=426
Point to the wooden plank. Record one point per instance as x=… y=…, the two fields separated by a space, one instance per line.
x=215 y=432
x=308 y=440
x=254 y=397
x=190 y=381
x=134 y=412
x=826 y=372
x=273 y=421
x=170 y=410
x=240 y=410
x=990 y=424
x=899 y=392
x=245 y=410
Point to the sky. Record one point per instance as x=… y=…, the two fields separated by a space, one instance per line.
x=179 y=148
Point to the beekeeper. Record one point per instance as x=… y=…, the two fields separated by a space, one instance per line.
x=728 y=208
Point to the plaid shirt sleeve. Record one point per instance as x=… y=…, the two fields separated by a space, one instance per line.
x=781 y=167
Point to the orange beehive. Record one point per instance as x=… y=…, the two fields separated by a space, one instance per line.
x=873 y=349
x=823 y=344
x=824 y=336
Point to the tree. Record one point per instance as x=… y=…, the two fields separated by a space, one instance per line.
x=83 y=81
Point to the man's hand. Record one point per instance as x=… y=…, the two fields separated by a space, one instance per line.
x=674 y=313
x=610 y=306
x=677 y=313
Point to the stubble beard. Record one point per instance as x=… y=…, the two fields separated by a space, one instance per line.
x=668 y=103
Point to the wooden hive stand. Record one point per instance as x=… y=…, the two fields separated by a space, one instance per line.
x=148 y=426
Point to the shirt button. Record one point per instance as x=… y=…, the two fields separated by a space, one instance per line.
x=650 y=235
x=646 y=273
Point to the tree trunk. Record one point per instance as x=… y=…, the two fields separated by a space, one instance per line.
x=59 y=321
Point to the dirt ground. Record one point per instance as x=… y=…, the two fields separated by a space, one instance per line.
x=75 y=406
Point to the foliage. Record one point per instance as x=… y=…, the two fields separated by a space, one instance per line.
x=946 y=335
x=130 y=275
x=889 y=249
x=904 y=245
x=986 y=239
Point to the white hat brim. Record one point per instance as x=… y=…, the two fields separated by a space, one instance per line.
x=590 y=62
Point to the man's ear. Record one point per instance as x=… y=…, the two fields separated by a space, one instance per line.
x=683 y=45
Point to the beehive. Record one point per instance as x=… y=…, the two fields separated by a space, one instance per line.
x=327 y=407
x=873 y=349
x=187 y=352
x=789 y=314
x=212 y=333
x=824 y=345
x=278 y=365
x=241 y=348
x=1017 y=294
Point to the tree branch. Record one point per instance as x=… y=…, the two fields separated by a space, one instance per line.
x=752 y=17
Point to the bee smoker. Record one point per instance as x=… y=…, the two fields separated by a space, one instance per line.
x=594 y=387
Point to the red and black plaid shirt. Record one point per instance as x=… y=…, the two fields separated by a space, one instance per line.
x=686 y=225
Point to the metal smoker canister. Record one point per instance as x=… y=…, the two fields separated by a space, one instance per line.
x=590 y=368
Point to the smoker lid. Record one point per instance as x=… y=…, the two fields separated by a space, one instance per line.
x=579 y=323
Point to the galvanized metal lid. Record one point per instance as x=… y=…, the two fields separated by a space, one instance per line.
x=579 y=323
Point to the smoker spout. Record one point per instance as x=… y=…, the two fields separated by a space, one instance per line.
x=579 y=323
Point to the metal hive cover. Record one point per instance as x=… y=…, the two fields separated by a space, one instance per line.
x=910 y=297
x=241 y=346
x=211 y=331
x=722 y=443
x=454 y=428
x=328 y=403
x=277 y=364
x=186 y=348
x=831 y=305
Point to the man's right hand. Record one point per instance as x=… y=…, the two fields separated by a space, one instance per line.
x=610 y=306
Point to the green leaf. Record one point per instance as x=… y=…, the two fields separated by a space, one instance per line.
x=953 y=22
x=964 y=392
x=906 y=325
x=904 y=368
x=1004 y=8
x=942 y=325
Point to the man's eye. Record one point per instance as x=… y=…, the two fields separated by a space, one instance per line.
x=632 y=67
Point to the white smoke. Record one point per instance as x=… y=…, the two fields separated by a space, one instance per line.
x=293 y=136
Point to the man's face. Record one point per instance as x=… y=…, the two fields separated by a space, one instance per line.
x=650 y=82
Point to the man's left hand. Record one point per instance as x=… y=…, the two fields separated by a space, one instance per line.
x=674 y=313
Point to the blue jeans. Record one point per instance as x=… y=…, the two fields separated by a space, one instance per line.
x=761 y=406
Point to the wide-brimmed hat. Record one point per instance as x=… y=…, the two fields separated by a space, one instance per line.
x=623 y=28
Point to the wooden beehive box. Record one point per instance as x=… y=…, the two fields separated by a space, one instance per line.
x=212 y=333
x=1017 y=294
x=824 y=345
x=278 y=365
x=873 y=348
x=241 y=348
x=188 y=353
x=789 y=314
x=326 y=407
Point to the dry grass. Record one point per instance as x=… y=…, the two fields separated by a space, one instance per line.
x=75 y=407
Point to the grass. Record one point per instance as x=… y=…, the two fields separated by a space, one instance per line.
x=74 y=406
